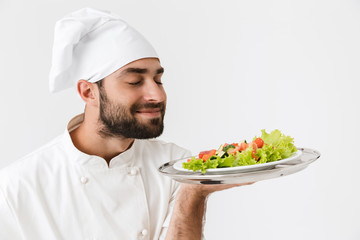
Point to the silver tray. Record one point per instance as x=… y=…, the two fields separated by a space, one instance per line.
x=308 y=156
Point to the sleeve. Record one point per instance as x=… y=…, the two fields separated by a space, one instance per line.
x=176 y=187
x=170 y=210
x=9 y=229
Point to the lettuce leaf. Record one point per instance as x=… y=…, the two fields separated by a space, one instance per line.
x=244 y=158
x=283 y=145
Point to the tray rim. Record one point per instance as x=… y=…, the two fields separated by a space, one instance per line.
x=224 y=177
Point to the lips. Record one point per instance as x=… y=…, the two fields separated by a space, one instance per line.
x=149 y=110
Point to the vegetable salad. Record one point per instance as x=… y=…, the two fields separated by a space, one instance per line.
x=269 y=147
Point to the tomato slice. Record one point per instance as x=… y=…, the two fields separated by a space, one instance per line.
x=259 y=142
x=253 y=145
x=234 y=150
x=205 y=155
x=243 y=146
x=201 y=154
x=254 y=156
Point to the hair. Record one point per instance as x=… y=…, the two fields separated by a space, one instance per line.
x=100 y=83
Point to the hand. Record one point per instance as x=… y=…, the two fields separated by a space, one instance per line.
x=204 y=190
x=187 y=219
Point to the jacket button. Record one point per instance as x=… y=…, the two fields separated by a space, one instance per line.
x=144 y=232
x=84 y=180
x=133 y=172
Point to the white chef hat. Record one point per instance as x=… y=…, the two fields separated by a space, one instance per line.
x=91 y=44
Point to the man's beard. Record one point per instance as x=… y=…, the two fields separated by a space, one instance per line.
x=119 y=121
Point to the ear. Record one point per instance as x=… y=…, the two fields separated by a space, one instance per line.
x=88 y=92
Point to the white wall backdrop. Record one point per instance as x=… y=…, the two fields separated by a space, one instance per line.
x=232 y=68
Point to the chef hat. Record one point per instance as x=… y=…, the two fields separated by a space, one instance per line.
x=91 y=44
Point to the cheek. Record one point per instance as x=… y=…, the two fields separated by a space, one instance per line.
x=123 y=97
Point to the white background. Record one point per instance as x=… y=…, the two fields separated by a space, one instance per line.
x=232 y=68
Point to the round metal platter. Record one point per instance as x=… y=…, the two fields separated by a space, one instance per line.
x=282 y=169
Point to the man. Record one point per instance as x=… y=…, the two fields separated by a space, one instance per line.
x=99 y=179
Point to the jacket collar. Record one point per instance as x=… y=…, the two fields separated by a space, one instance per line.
x=124 y=159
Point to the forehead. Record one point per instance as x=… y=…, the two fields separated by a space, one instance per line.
x=151 y=64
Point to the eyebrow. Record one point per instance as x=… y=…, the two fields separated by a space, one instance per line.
x=140 y=71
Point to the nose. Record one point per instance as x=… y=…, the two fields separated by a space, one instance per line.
x=154 y=92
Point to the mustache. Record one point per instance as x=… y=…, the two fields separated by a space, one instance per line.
x=138 y=106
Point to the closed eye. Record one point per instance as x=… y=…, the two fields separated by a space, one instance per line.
x=159 y=83
x=157 y=79
x=134 y=83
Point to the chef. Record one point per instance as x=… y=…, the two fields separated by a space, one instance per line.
x=99 y=180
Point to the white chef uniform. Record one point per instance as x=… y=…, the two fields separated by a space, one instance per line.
x=58 y=192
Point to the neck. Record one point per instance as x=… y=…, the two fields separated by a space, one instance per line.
x=87 y=139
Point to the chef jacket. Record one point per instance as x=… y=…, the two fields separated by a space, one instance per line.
x=59 y=192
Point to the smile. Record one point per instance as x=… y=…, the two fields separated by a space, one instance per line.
x=151 y=112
